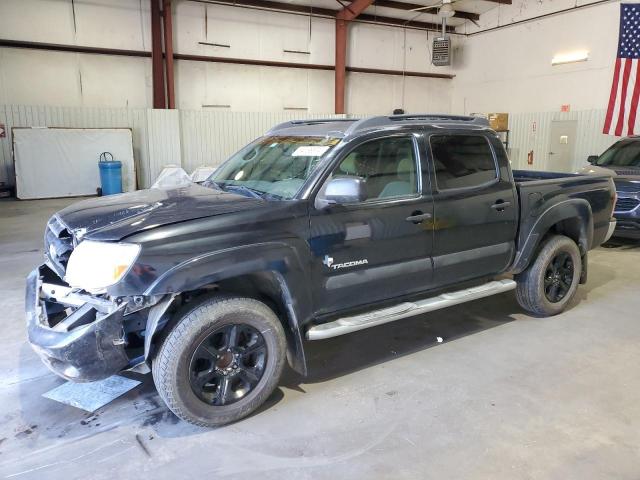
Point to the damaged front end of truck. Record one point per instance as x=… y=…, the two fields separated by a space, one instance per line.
x=85 y=335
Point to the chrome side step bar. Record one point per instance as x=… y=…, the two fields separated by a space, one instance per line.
x=407 y=309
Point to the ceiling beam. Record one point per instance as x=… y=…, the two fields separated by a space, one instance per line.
x=324 y=12
x=277 y=6
x=365 y=17
x=54 y=47
x=413 y=6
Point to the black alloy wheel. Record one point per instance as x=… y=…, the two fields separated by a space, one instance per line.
x=228 y=364
x=558 y=277
x=548 y=284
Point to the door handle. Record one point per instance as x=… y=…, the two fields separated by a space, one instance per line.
x=418 y=217
x=500 y=205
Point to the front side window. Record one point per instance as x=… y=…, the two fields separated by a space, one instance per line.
x=388 y=166
x=274 y=166
x=462 y=161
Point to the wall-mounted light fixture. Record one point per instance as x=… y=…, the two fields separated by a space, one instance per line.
x=570 y=57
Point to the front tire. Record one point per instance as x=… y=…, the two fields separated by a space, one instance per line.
x=221 y=361
x=550 y=282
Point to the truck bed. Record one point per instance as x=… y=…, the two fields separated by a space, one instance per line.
x=521 y=176
x=539 y=193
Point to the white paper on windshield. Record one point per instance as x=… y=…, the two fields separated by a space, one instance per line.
x=310 y=151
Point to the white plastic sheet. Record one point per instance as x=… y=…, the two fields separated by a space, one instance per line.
x=63 y=162
x=172 y=176
x=200 y=174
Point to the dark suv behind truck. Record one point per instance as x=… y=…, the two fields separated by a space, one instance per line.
x=317 y=229
x=623 y=158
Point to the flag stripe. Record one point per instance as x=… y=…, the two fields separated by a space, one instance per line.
x=623 y=96
x=631 y=81
x=617 y=105
x=634 y=102
x=612 y=97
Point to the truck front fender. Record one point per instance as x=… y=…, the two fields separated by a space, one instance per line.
x=277 y=263
x=573 y=216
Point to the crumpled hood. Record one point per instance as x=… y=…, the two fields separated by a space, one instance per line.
x=117 y=216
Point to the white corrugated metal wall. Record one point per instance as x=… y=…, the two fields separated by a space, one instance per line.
x=160 y=137
x=72 y=117
x=210 y=137
x=163 y=137
x=193 y=138
x=531 y=131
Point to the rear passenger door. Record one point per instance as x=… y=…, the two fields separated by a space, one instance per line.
x=475 y=206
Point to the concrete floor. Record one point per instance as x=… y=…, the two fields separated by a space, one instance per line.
x=505 y=396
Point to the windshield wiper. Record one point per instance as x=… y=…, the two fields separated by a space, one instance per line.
x=241 y=188
x=211 y=183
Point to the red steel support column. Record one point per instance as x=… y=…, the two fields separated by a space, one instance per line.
x=168 y=52
x=156 y=56
x=343 y=17
x=341 y=63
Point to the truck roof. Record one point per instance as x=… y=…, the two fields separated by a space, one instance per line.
x=346 y=127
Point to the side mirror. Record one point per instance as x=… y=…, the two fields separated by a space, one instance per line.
x=341 y=190
x=592 y=159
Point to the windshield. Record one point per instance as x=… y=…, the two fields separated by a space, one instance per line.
x=621 y=154
x=272 y=166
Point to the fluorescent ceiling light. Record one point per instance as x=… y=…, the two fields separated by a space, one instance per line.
x=570 y=57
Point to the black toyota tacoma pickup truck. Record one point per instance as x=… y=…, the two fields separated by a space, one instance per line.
x=317 y=229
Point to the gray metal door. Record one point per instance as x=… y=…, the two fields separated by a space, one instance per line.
x=562 y=145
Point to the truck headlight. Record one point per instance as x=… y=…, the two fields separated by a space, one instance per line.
x=94 y=266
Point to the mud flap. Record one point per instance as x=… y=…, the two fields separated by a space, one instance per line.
x=585 y=265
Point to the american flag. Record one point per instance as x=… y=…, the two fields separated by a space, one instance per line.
x=625 y=90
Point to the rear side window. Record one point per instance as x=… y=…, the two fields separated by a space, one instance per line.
x=462 y=161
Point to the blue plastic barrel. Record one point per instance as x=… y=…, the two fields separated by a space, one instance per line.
x=110 y=174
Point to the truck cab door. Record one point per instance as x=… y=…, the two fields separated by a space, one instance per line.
x=476 y=209
x=379 y=248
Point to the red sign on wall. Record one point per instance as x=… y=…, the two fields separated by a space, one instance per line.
x=565 y=108
x=3 y=131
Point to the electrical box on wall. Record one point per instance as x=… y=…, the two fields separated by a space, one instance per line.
x=441 y=51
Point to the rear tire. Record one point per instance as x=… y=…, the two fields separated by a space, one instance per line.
x=551 y=280
x=221 y=361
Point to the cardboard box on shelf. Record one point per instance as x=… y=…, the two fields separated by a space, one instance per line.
x=499 y=121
